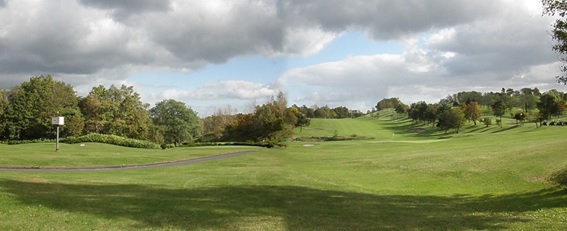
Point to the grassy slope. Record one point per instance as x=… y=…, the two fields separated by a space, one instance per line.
x=482 y=178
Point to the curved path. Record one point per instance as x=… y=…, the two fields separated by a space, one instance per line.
x=123 y=167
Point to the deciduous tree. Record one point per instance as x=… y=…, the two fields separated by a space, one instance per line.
x=33 y=103
x=472 y=111
x=178 y=122
x=559 y=31
x=452 y=119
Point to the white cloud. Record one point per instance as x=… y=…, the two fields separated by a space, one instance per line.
x=234 y=89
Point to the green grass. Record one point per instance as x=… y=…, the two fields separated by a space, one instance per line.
x=96 y=154
x=409 y=177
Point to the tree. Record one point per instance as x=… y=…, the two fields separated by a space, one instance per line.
x=213 y=126
x=3 y=108
x=116 y=111
x=341 y=112
x=401 y=108
x=472 y=112
x=388 y=103
x=499 y=108
x=559 y=32
x=452 y=119
x=550 y=105
x=32 y=104
x=178 y=123
x=302 y=121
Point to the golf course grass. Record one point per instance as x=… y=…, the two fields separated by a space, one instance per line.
x=398 y=176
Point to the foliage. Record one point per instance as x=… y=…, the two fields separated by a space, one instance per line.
x=559 y=32
x=3 y=108
x=499 y=108
x=389 y=103
x=487 y=121
x=452 y=119
x=271 y=123
x=110 y=139
x=32 y=104
x=178 y=122
x=551 y=104
x=213 y=126
x=472 y=111
x=116 y=111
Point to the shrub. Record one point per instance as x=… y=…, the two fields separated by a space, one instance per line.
x=30 y=141
x=487 y=121
x=110 y=139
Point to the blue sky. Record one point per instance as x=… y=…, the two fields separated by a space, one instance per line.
x=210 y=54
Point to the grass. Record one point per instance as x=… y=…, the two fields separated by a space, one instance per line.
x=409 y=177
x=96 y=154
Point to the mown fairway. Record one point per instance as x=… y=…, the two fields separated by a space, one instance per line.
x=401 y=177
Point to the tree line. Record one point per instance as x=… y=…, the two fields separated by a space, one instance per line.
x=26 y=111
x=453 y=111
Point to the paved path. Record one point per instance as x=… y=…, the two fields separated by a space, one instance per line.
x=123 y=167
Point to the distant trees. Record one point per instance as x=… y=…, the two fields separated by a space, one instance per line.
x=213 y=126
x=388 y=103
x=325 y=112
x=271 y=123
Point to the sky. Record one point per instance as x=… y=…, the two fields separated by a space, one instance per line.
x=236 y=53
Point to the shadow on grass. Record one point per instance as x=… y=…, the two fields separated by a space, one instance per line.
x=506 y=129
x=299 y=208
x=411 y=129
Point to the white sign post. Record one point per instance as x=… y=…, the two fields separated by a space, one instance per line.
x=57 y=121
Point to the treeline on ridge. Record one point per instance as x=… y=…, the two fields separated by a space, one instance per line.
x=453 y=111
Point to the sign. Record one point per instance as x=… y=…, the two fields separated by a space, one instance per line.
x=58 y=120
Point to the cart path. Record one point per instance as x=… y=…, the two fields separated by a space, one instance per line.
x=124 y=167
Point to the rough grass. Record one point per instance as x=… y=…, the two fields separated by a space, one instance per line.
x=479 y=179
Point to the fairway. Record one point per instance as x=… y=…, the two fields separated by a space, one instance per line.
x=402 y=176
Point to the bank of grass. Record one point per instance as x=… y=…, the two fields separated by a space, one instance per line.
x=479 y=179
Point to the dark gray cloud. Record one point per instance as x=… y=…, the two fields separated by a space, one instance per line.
x=386 y=19
x=123 y=9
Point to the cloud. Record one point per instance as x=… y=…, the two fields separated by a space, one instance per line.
x=449 y=45
x=232 y=89
x=123 y=9
x=484 y=55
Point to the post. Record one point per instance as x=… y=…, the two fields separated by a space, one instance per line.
x=57 y=121
x=57 y=140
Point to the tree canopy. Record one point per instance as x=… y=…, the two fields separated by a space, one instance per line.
x=178 y=122
x=559 y=31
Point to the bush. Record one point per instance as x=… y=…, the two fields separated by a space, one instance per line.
x=487 y=121
x=30 y=141
x=110 y=139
